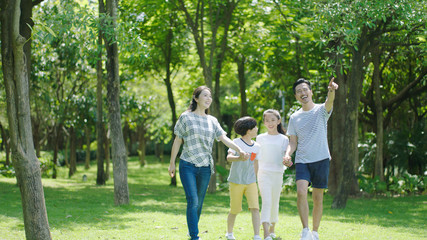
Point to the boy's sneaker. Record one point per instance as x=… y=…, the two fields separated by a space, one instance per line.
x=315 y=235
x=257 y=237
x=272 y=235
x=306 y=234
x=230 y=236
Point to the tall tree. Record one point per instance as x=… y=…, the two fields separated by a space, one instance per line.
x=352 y=29
x=211 y=47
x=118 y=148
x=14 y=17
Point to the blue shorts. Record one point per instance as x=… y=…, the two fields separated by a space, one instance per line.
x=315 y=173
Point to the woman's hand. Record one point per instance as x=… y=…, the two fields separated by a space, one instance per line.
x=171 y=170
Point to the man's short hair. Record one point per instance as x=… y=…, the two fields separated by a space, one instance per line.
x=300 y=81
x=243 y=124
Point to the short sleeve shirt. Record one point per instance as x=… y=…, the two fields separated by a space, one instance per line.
x=243 y=172
x=198 y=133
x=310 y=127
x=272 y=150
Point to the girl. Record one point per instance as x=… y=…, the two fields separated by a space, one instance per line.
x=197 y=130
x=270 y=170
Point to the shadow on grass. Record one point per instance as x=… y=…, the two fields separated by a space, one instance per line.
x=71 y=202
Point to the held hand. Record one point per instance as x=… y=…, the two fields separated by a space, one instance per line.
x=171 y=170
x=287 y=161
x=332 y=86
x=243 y=155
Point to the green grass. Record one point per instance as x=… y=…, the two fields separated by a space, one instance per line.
x=82 y=210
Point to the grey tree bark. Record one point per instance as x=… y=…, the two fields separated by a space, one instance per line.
x=118 y=148
x=26 y=164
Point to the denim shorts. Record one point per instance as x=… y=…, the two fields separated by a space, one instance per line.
x=315 y=173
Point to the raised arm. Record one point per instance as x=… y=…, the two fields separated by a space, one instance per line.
x=329 y=103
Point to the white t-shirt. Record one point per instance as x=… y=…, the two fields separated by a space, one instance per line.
x=273 y=149
x=243 y=172
x=310 y=127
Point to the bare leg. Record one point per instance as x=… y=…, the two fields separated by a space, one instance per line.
x=230 y=222
x=255 y=220
x=317 y=207
x=266 y=226
x=272 y=227
x=302 y=203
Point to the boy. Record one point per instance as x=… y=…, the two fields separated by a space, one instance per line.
x=242 y=178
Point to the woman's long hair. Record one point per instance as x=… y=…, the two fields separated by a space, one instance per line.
x=276 y=113
x=196 y=94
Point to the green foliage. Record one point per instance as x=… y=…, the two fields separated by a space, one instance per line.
x=7 y=171
x=406 y=184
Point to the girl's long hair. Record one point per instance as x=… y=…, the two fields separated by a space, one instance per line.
x=276 y=113
x=196 y=94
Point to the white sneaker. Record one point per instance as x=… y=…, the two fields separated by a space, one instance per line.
x=230 y=236
x=272 y=235
x=315 y=235
x=268 y=238
x=257 y=237
x=306 y=234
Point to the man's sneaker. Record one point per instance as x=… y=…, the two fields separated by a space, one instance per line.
x=268 y=238
x=230 y=236
x=306 y=234
x=257 y=237
x=315 y=235
x=272 y=235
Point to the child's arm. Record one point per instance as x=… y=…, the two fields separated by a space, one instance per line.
x=233 y=158
x=256 y=167
x=227 y=141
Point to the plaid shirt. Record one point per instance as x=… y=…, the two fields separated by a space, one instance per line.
x=198 y=133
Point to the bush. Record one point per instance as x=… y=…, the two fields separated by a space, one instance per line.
x=403 y=185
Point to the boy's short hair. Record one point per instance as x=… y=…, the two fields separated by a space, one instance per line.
x=300 y=81
x=243 y=124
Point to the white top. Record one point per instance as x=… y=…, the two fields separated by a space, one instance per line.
x=243 y=172
x=311 y=129
x=273 y=149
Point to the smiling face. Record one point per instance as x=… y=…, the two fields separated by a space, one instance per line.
x=204 y=100
x=271 y=122
x=303 y=93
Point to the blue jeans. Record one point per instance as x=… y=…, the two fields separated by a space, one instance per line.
x=195 y=181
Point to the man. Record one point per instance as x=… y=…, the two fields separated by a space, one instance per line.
x=307 y=131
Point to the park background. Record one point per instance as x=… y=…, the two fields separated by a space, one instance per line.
x=88 y=85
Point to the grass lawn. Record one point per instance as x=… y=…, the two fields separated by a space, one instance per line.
x=82 y=210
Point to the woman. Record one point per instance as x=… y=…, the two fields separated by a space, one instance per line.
x=197 y=130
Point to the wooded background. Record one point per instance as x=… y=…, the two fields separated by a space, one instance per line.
x=78 y=75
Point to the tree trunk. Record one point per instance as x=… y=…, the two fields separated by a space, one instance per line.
x=379 y=168
x=336 y=136
x=87 y=157
x=67 y=151
x=100 y=131
x=351 y=156
x=141 y=145
x=5 y=144
x=36 y=135
x=73 y=149
x=107 y=143
x=118 y=148
x=242 y=86
x=27 y=166
x=168 y=58
x=127 y=138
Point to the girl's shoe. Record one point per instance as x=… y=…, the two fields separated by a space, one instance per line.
x=230 y=236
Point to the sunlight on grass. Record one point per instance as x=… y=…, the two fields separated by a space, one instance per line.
x=83 y=210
